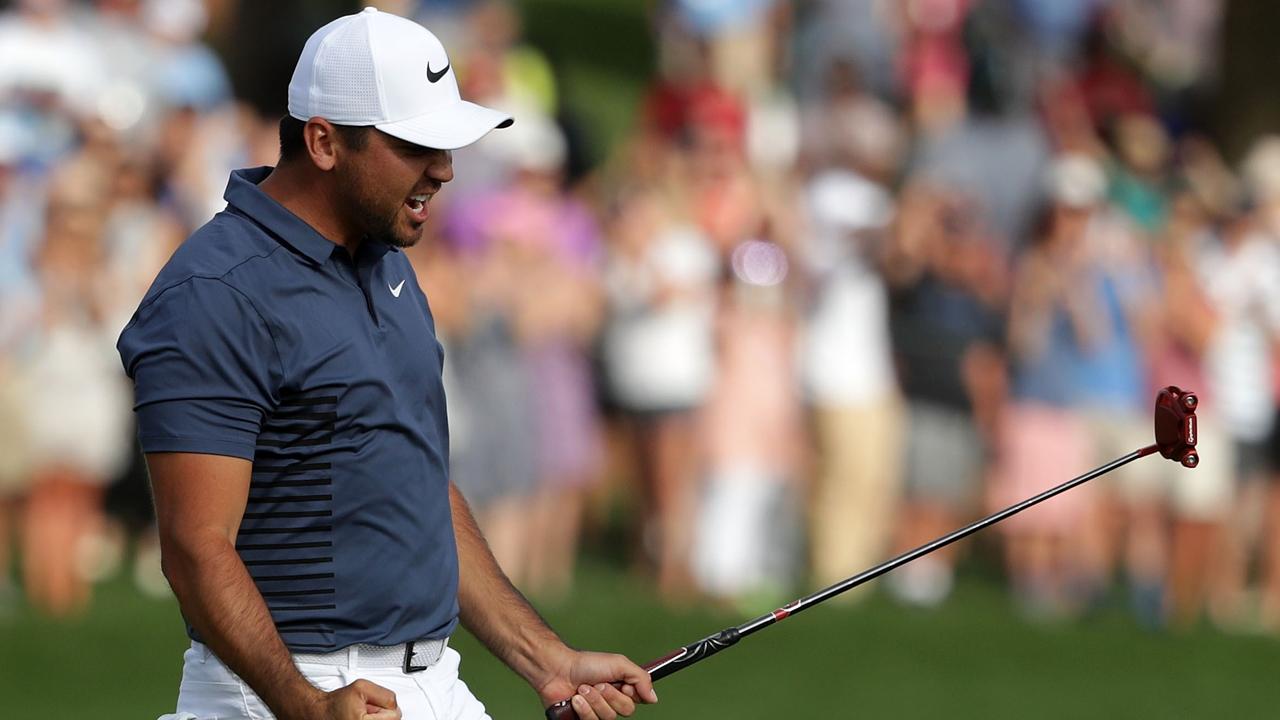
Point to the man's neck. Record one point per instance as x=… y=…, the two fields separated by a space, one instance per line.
x=309 y=200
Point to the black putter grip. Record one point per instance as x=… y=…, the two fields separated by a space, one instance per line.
x=563 y=710
x=677 y=659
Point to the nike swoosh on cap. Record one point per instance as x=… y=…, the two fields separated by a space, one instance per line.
x=434 y=77
x=395 y=291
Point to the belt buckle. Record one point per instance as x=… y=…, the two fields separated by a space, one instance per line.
x=408 y=666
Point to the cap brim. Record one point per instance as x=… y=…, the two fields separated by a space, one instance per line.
x=450 y=128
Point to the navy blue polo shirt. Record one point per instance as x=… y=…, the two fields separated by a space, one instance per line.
x=261 y=339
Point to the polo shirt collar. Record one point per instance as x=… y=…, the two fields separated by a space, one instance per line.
x=243 y=193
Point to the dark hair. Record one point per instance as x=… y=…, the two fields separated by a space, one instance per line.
x=293 y=145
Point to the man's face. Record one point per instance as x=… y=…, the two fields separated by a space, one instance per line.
x=385 y=188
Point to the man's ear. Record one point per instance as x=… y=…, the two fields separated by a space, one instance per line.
x=320 y=139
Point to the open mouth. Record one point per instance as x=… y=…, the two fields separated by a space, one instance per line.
x=418 y=207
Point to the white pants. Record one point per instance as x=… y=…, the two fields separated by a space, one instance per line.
x=210 y=691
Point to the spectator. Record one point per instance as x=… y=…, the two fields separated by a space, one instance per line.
x=992 y=145
x=866 y=34
x=499 y=69
x=1199 y=506
x=1054 y=551
x=846 y=371
x=1137 y=179
x=557 y=246
x=1111 y=383
x=78 y=407
x=17 y=295
x=947 y=326
x=746 y=544
x=494 y=459
x=118 y=125
x=50 y=73
x=1241 y=275
x=659 y=360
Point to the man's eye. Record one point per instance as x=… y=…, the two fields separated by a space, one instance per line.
x=417 y=152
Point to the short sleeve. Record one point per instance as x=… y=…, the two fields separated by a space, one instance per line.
x=205 y=370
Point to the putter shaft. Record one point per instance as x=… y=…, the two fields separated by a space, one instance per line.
x=688 y=655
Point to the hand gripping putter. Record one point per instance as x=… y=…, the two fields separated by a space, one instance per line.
x=1175 y=428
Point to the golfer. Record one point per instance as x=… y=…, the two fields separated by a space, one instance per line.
x=289 y=401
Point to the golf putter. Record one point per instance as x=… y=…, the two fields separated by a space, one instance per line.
x=1175 y=430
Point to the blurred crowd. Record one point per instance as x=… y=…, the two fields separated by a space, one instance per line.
x=859 y=272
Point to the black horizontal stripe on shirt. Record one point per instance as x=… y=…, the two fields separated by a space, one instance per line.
x=285 y=530
x=303 y=401
x=305 y=442
x=285 y=546
x=273 y=436
x=290 y=561
x=305 y=576
x=288 y=455
x=310 y=482
x=298 y=593
x=263 y=454
x=302 y=415
x=293 y=469
x=310 y=646
x=258 y=499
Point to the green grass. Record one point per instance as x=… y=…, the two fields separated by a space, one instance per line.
x=974 y=658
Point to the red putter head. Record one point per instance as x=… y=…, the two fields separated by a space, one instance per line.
x=1176 y=425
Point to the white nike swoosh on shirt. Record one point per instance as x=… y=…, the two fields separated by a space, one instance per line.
x=395 y=291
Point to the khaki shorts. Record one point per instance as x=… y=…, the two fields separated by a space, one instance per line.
x=1202 y=493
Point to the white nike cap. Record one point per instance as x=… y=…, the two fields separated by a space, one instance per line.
x=375 y=68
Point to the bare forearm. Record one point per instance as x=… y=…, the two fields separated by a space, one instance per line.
x=220 y=601
x=494 y=611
